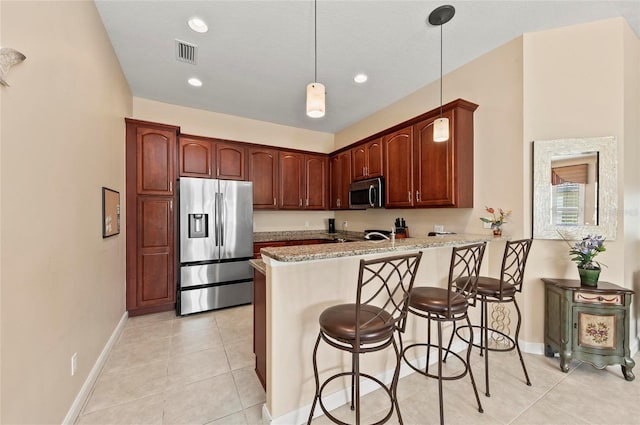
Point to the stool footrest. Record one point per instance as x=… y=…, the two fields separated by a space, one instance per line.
x=444 y=351
x=362 y=375
x=510 y=347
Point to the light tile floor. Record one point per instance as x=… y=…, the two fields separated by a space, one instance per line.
x=199 y=370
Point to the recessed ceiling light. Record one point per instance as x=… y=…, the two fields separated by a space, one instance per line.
x=360 y=78
x=195 y=82
x=198 y=25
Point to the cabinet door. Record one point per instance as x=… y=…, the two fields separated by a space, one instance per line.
x=398 y=170
x=598 y=331
x=263 y=172
x=155 y=161
x=340 y=179
x=230 y=161
x=374 y=158
x=316 y=179
x=359 y=162
x=291 y=180
x=155 y=275
x=434 y=168
x=195 y=158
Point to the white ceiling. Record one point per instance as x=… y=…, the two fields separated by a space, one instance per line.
x=257 y=57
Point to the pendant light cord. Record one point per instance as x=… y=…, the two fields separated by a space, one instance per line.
x=315 y=40
x=441 y=70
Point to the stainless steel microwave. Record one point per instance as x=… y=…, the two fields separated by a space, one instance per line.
x=367 y=193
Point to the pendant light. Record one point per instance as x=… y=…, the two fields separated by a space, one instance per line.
x=440 y=16
x=315 y=90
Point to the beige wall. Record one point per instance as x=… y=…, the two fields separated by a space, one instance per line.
x=62 y=140
x=631 y=212
x=580 y=94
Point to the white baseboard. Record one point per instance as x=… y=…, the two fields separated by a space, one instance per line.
x=83 y=394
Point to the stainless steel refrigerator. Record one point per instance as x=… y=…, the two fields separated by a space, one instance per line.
x=216 y=244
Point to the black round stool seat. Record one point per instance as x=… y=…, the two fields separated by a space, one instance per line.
x=339 y=322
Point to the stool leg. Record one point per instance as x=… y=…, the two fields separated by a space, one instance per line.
x=317 y=379
x=426 y=368
x=446 y=353
x=356 y=374
x=353 y=362
x=396 y=378
x=440 y=372
x=526 y=375
x=473 y=381
x=482 y=311
x=485 y=344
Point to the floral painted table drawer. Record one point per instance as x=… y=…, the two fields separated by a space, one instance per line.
x=588 y=323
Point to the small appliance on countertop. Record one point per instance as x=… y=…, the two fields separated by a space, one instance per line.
x=332 y=225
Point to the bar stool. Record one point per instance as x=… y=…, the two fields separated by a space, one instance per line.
x=503 y=290
x=449 y=305
x=368 y=325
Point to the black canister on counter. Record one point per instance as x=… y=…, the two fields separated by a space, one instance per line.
x=332 y=225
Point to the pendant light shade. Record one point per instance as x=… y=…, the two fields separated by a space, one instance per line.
x=441 y=130
x=315 y=100
x=315 y=90
x=440 y=16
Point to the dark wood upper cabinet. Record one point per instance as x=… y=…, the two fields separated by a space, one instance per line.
x=230 y=161
x=291 y=180
x=339 y=180
x=433 y=167
x=316 y=182
x=155 y=161
x=196 y=156
x=398 y=168
x=303 y=181
x=263 y=172
x=212 y=158
x=367 y=160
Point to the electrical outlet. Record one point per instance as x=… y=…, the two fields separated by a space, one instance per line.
x=438 y=228
x=74 y=363
x=486 y=225
x=344 y=225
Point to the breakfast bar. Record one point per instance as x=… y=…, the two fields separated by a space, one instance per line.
x=300 y=282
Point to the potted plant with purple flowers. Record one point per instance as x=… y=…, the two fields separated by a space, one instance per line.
x=583 y=253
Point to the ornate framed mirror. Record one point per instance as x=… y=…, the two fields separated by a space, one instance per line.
x=575 y=188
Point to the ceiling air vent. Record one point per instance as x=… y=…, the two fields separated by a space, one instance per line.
x=186 y=52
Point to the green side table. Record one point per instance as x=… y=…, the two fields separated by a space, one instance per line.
x=588 y=323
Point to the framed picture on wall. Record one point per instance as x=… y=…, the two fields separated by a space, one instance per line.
x=110 y=212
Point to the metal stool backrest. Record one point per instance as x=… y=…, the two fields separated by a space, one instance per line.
x=386 y=283
x=513 y=264
x=463 y=272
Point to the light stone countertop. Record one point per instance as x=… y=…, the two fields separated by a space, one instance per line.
x=347 y=249
x=259 y=265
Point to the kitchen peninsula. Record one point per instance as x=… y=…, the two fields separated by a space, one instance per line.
x=301 y=281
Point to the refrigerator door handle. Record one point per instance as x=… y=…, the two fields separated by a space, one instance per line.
x=222 y=217
x=216 y=229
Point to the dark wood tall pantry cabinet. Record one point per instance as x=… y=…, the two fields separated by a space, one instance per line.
x=151 y=222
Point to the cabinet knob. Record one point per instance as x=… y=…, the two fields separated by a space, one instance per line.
x=306 y=202
x=300 y=202
x=417 y=196
x=409 y=196
x=274 y=201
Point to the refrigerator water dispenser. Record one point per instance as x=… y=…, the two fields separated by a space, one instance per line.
x=198 y=225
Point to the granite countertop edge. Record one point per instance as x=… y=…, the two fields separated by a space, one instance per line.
x=298 y=235
x=259 y=265
x=349 y=249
